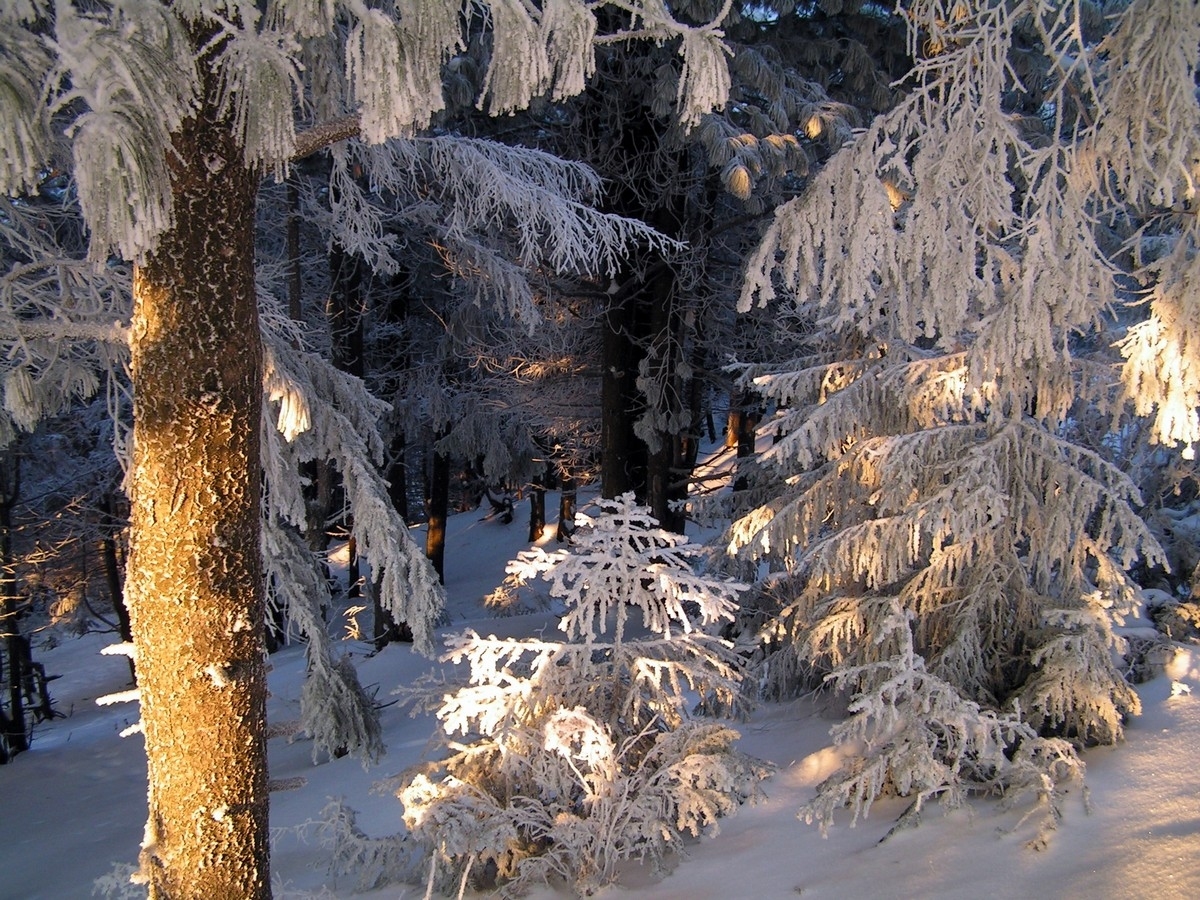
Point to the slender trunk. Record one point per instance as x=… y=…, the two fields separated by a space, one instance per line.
x=194 y=583
x=745 y=438
x=112 y=571
x=345 y=314
x=438 y=506
x=566 y=509
x=397 y=475
x=16 y=738
x=295 y=282
x=618 y=372
x=537 y=508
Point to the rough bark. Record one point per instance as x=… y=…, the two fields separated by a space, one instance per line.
x=194 y=583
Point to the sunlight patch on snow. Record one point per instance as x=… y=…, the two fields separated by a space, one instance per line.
x=1185 y=666
x=816 y=767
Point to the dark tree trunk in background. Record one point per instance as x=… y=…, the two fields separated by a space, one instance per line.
x=346 y=311
x=566 y=509
x=15 y=738
x=111 y=526
x=438 y=508
x=397 y=475
x=294 y=281
x=744 y=416
x=537 y=508
x=622 y=456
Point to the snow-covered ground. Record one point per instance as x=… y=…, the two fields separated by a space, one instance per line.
x=74 y=806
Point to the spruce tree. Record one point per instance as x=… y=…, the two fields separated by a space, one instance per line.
x=944 y=550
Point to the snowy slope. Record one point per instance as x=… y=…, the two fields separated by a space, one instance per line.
x=74 y=805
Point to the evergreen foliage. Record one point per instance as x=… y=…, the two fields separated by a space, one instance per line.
x=944 y=551
x=579 y=753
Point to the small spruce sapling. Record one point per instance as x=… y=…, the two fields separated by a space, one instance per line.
x=578 y=754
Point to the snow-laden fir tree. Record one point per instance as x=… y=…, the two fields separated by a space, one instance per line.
x=566 y=757
x=941 y=546
x=167 y=116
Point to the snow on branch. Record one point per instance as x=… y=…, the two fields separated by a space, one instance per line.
x=578 y=754
x=259 y=83
x=342 y=419
x=133 y=70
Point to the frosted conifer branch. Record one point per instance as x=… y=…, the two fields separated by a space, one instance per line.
x=342 y=426
x=569 y=29
x=259 y=81
x=24 y=123
x=134 y=71
x=520 y=70
x=130 y=696
x=591 y=741
x=334 y=709
x=1162 y=354
x=1147 y=136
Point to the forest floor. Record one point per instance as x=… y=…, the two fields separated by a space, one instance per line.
x=72 y=809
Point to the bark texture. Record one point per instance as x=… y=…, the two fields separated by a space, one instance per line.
x=194 y=583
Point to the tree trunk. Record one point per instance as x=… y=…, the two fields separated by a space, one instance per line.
x=566 y=509
x=295 y=281
x=745 y=437
x=537 y=508
x=618 y=467
x=345 y=313
x=437 y=507
x=15 y=737
x=397 y=475
x=194 y=583
x=110 y=525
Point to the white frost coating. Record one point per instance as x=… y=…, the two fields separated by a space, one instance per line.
x=218 y=674
x=135 y=728
x=704 y=82
x=133 y=69
x=592 y=742
x=522 y=71
x=119 y=697
x=394 y=69
x=125 y=648
x=569 y=28
x=24 y=124
x=294 y=418
x=259 y=83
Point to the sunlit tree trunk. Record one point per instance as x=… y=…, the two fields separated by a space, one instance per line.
x=194 y=583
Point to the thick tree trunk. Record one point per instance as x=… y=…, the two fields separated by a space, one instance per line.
x=194 y=583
